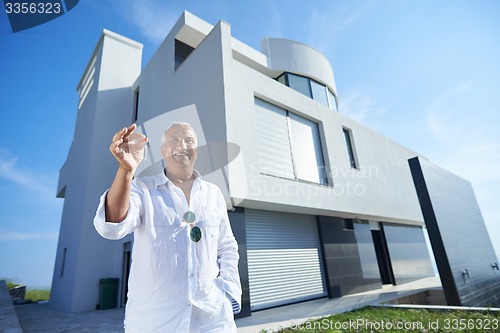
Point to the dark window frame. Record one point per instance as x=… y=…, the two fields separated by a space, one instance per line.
x=63 y=264
x=351 y=150
x=348 y=224
x=135 y=113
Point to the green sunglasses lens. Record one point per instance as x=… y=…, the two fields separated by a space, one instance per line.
x=195 y=234
x=189 y=217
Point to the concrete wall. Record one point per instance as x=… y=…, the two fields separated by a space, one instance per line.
x=83 y=257
x=381 y=189
x=198 y=81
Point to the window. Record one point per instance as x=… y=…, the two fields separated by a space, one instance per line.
x=348 y=224
x=282 y=79
x=289 y=145
x=319 y=93
x=332 y=101
x=273 y=140
x=299 y=83
x=135 y=113
x=350 y=148
x=306 y=149
x=65 y=251
x=310 y=88
x=182 y=51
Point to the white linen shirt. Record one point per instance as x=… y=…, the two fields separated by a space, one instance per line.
x=170 y=273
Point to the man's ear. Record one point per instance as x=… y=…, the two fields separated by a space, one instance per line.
x=162 y=151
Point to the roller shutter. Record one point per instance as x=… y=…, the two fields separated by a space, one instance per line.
x=283 y=258
x=275 y=154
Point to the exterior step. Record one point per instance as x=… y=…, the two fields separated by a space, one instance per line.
x=435 y=297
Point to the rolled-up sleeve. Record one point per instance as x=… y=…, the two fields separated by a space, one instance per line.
x=112 y=230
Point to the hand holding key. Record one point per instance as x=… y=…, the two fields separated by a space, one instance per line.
x=128 y=147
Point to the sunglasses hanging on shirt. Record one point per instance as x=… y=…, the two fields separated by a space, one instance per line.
x=195 y=233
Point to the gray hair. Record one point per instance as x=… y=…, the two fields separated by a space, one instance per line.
x=178 y=124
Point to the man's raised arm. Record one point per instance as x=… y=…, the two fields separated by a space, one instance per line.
x=128 y=149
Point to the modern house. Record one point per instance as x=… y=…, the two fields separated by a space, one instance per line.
x=320 y=205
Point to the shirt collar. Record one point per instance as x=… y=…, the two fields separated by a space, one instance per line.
x=161 y=178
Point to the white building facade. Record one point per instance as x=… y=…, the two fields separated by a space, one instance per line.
x=320 y=205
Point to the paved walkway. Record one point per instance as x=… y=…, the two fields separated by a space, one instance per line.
x=41 y=318
x=8 y=319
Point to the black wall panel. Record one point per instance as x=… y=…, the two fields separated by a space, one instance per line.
x=349 y=255
x=464 y=254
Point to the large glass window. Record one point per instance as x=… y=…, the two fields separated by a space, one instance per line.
x=332 y=101
x=289 y=145
x=319 y=93
x=282 y=79
x=310 y=88
x=366 y=250
x=408 y=251
x=299 y=83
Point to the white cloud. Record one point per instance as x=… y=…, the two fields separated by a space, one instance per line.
x=40 y=185
x=445 y=120
x=326 y=23
x=478 y=162
x=465 y=143
x=153 y=18
x=361 y=107
x=276 y=23
x=464 y=87
x=17 y=236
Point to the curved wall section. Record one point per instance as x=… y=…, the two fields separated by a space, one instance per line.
x=295 y=57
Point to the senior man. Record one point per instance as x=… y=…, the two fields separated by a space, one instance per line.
x=184 y=275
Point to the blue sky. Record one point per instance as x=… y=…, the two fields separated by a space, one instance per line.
x=424 y=73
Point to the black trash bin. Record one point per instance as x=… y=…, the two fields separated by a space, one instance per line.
x=108 y=293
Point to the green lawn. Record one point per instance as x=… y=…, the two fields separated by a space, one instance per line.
x=34 y=295
x=37 y=294
x=10 y=283
x=378 y=319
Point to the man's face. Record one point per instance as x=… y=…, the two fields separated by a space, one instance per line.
x=179 y=149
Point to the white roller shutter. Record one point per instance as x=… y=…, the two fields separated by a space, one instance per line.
x=283 y=258
x=275 y=155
